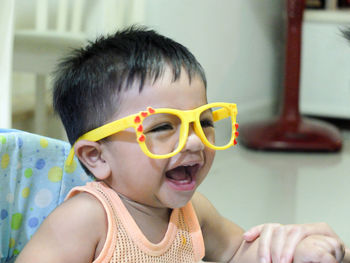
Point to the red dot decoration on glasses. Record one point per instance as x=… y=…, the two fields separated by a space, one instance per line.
x=137 y=119
x=140 y=128
x=236 y=133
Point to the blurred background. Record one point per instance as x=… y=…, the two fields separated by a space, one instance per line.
x=241 y=45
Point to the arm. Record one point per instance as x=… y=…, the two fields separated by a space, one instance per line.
x=279 y=241
x=225 y=241
x=65 y=235
x=222 y=238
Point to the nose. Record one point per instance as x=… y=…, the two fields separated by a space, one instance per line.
x=194 y=142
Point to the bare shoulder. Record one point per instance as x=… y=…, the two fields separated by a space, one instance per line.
x=221 y=236
x=80 y=212
x=71 y=233
x=84 y=211
x=84 y=205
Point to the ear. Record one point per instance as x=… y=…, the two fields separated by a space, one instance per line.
x=90 y=154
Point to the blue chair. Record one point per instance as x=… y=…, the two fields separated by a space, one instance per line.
x=33 y=182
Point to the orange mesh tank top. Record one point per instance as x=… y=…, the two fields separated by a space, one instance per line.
x=183 y=241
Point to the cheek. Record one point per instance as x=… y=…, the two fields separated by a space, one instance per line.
x=122 y=156
x=209 y=158
x=131 y=163
x=210 y=155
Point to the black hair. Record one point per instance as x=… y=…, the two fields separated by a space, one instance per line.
x=87 y=82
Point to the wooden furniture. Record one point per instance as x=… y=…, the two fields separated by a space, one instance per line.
x=289 y=131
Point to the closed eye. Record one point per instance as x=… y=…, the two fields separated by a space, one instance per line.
x=162 y=127
x=207 y=123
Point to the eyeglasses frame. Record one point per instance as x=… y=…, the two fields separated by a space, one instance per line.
x=186 y=117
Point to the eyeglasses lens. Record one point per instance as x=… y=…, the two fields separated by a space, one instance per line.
x=162 y=130
x=217 y=127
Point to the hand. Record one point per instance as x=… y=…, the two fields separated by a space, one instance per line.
x=319 y=249
x=278 y=242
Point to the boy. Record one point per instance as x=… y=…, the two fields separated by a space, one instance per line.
x=135 y=110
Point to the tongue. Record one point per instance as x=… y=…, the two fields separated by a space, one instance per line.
x=178 y=174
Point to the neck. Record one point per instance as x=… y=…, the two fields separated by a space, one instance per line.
x=145 y=210
x=136 y=208
x=152 y=221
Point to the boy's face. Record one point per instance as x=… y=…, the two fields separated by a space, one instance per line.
x=168 y=182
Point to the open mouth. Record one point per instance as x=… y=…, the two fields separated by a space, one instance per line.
x=183 y=178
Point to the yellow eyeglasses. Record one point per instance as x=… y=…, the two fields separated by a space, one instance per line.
x=162 y=133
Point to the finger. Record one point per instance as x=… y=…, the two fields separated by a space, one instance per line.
x=314 y=252
x=341 y=252
x=324 y=247
x=334 y=246
x=265 y=243
x=295 y=234
x=253 y=233
x=328 y=258
x=289 y=248
x=339 y=248
x=277 y=243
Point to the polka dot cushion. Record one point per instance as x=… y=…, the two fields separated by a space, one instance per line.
x=33 y=181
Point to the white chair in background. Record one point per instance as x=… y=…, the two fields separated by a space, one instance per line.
x=37 y=50
x=6 y=31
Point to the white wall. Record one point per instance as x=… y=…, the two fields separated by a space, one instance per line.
x=238 y=42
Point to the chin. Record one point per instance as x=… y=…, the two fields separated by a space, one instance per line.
x=180 y=200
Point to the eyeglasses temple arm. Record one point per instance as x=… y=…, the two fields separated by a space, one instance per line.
x=70 y=157
x=221 y=114
x=101 y=133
